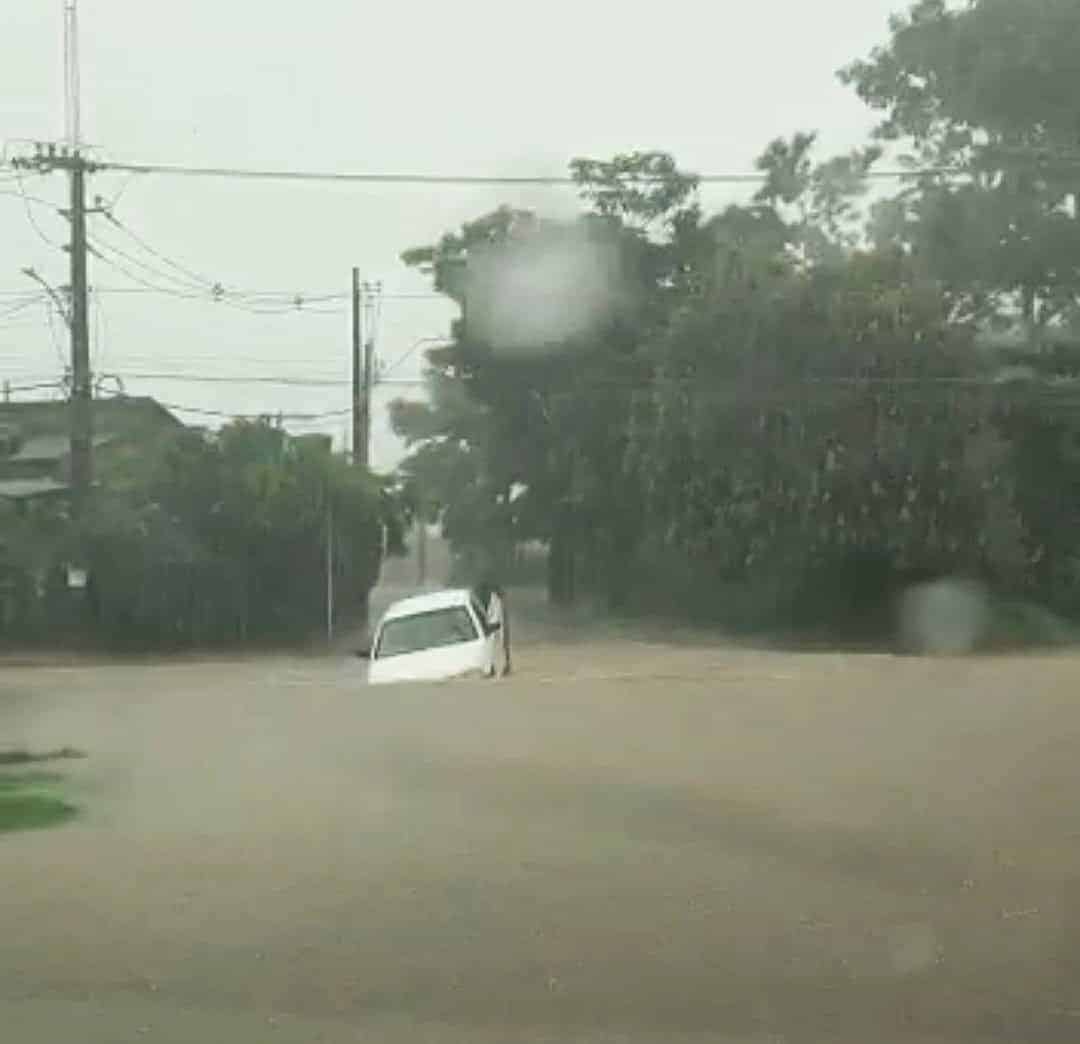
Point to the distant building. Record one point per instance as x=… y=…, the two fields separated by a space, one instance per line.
x=35 y=469
x=35 y=447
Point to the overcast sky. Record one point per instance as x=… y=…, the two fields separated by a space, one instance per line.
x=474 y=87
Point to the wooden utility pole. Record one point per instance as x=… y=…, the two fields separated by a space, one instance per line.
x=358 y=449
x=81 y=390
x=48 y=158
x=370 y=293
x=364 y=298
x=363 y=379
x=329 y=571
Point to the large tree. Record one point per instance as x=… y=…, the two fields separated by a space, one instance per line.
x=690 y=434
x=532 y=402
x=989 y=90
x=782 y=389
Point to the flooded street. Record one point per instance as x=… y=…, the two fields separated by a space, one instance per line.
x=628 y=841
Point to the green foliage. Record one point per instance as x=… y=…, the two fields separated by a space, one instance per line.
x=210 y=539
x=990 y=88
x=784 y=409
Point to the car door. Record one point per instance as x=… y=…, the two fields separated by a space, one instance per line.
x=491 y=637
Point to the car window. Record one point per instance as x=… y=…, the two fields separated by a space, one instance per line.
x=431 y=630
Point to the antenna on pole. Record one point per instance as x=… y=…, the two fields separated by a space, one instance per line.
x=72 y=89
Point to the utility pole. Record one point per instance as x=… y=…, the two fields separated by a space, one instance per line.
x=48 y=158
x=82 y=434
x=363 y=368
x=371 y=292
x=364 y=300
x=358 y=450
x=329 y=572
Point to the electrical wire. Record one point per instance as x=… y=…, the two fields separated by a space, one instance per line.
x=26 y=197
x=32 y=387
x=270 y=414
x=187 y=290
x=261 y=302
x=317 y=298
x=151 y=269
x=557 y=181
x=97 y=348
x=21 y=307
x=119 y=194
x=26 y=323
x=205 y=378
x=283 y=380
x=113 y=263
x=30 y=214
x=200 y=280
x=49 y=306
x=404 y=357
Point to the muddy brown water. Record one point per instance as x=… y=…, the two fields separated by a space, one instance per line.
x=628 y=841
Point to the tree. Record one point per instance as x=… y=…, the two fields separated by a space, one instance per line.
x=531 y=402
x=223 y=539
x=777 y=407
x=988 y=89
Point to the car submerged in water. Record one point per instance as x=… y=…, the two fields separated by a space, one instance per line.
x=435 y=637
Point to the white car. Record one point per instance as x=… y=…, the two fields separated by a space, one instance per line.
x=433 y=637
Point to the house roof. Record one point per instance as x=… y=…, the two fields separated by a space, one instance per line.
x=121 y=413
x=38 y=438
x=50 y=448
x=29 y=488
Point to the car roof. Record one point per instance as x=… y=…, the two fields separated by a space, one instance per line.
x=428 y=602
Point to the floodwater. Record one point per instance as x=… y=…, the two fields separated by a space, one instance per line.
x=627 y=841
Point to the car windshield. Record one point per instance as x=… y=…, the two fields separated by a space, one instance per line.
x=408 y=634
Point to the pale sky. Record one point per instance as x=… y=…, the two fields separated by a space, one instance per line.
x=473 y=87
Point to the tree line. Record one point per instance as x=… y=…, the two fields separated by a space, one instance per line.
x=782 y=411
x=202 y=539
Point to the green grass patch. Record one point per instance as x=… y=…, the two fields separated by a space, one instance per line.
x=30 y=801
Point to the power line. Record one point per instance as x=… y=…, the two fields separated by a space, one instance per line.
x=49 y=305
x=284 y=380
x=27 y=198
x=320 y=297
x=100 y=326
x=21 y=307
x=37 y=386
x=112 y=203
x=30 y=215
x=183 y=269
x=555 y=181
x=192 y=292
x=113 y=263
x=206 y=378
x=186 y=283
x=265 y=414
x=187 y=291
x=412 y=349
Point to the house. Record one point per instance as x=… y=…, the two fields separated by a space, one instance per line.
x=35 y=471
x=35 y=447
